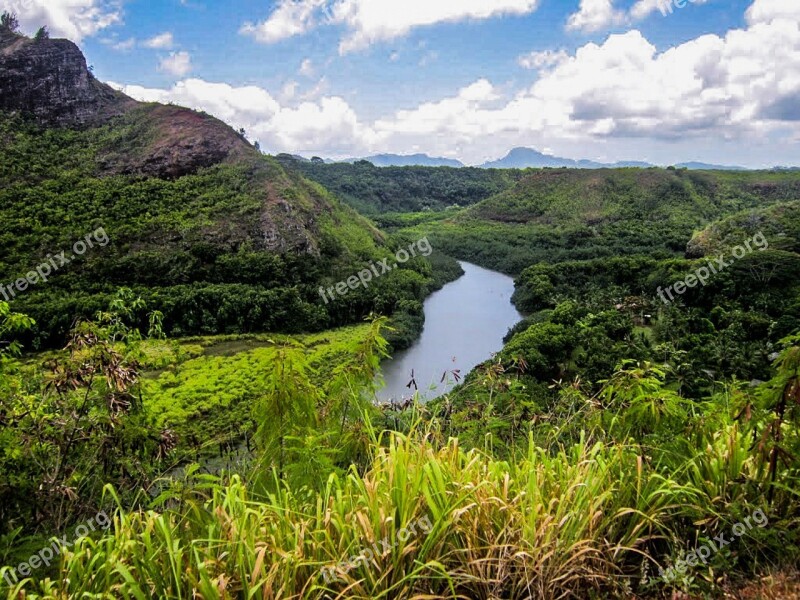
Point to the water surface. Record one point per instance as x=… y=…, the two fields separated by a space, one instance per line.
x=465 y=323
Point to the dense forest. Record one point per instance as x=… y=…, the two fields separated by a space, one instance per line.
x=376 y=190
x=188 y=404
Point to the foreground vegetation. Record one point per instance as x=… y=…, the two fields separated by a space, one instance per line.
x=597 y=491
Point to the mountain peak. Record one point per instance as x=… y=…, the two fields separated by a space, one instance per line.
x=522 y=158
x=50 y=81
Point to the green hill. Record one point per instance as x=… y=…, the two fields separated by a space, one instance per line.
x=552 y=215
x=218 y=237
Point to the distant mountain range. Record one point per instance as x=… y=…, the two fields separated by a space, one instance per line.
x=412 y=160
x=701 y=166
x=524 y=158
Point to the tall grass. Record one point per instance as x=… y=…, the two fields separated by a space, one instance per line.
x=577 y=523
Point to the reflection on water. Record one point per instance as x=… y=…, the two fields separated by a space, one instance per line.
x=465 y=323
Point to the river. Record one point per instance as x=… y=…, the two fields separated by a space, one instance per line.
x=465 y=323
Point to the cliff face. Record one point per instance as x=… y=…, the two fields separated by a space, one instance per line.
x=171 y=141
x=49 y=80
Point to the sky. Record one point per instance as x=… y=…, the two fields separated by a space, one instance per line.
x=663 y=81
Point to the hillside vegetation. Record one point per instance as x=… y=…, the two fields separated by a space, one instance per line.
x=553 y=215
x=214 y=236
x=375 y=190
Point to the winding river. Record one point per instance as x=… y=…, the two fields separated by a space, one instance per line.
x=465 y=323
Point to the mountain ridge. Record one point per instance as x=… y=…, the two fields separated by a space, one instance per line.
x=523 y=158
x=408 y=160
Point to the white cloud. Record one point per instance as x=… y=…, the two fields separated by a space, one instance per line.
x=72 y=19
x=594 y=15
x=307 y=68
x=177 y=63
x=765 y=11
x=161 y=41
x=328 y=126
x=370 y=21
x=290 y=18
x=124 y=45
x=542 y=60
x=644 y=8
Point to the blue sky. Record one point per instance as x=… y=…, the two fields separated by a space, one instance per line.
x=467 y=79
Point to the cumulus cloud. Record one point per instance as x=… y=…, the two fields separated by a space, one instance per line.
x=766 y=11
x=290 y=18
x=594 y=15
x=160 y=41
x=177 y=63
x=542 y=60
x=370 y=21
x=73 y=19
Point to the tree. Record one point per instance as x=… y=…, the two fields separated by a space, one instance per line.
x=9 y=22
x=287 y=410
x=11 y=324
x=42 y=34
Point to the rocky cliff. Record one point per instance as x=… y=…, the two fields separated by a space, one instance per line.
x=49 y=80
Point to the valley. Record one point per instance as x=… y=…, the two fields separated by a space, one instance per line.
x=521 y=385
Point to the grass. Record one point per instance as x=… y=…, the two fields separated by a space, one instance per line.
x=578 y=523
x=206 y=389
